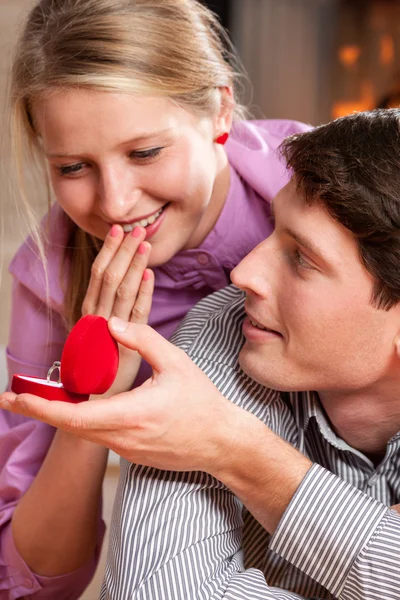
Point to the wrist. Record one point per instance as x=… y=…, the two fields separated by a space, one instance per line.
x=72 y=449
x=234 y=433
x=260 y=468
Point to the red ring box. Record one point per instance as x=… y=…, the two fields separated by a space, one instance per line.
x=89 y=365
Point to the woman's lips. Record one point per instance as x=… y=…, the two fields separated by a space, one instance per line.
x=154 y=227
x=143 y=222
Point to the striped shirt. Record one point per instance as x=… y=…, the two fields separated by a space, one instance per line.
x=185 y=536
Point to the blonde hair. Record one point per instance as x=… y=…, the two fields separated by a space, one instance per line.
x=171 y=48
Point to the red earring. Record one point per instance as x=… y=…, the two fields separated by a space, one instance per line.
x=222 y=138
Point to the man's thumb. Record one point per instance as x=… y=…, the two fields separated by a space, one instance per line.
x=155 y=349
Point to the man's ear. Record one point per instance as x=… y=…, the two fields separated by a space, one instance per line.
x=224 y=116
x=397 y=344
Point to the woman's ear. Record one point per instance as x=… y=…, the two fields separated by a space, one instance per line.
x=224 y=116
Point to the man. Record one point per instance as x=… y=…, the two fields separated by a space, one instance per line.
x=317 y=309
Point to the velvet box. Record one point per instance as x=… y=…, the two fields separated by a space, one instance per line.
x=89 y=365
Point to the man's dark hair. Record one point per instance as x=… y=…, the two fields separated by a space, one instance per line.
x=352 y=167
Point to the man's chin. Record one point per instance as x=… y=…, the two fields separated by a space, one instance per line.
x=253 y=369
x=272 y=378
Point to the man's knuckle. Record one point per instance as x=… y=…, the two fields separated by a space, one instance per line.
x=23 y=406
x=147 y=334
x=74 y=423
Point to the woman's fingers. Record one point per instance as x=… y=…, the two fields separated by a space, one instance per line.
x=110 y=247
x=109 y=270
x=141 y=310
x=120 y=285
x=127 y=293
x=116 y=271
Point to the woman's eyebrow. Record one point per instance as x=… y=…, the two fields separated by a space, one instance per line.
x=141 y=137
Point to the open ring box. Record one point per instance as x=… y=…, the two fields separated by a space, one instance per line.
x=89 y=365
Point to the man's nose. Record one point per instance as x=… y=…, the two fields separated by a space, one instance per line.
x=118 y=193
x=252 y=273
x=240 y=276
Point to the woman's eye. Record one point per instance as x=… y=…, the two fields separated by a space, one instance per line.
x=71 y=169
x=145 y=154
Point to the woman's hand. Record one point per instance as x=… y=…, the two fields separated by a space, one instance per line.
x=177 y=420
x=122 y=286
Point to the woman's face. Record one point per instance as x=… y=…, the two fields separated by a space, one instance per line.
x=119 y=158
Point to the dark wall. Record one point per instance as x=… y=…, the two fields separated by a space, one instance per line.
x=221 y=8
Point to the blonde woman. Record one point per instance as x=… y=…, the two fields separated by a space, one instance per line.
x=127 y=105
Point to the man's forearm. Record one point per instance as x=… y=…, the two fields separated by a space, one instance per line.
x=260 y=468
x=55 y=525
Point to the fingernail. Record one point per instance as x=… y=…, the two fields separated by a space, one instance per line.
x=137 y=232
x=114 y=231
x=5 y=404
x=142 y=248
x=146 y=275
x=118 y=324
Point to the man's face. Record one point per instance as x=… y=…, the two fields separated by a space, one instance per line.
x=307 y=285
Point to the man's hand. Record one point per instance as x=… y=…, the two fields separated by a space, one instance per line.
x=177 y=420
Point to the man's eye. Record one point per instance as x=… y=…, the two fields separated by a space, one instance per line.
x=145 y=154
x=299 y=261
x=71 y=169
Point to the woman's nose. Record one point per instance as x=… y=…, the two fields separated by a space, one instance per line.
x=118 y=195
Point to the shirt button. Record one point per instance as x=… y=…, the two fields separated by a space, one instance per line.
x=28 y=584
x=202 y=259
x=372 y=480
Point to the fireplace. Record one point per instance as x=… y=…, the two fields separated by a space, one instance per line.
x=313 y=60
x=367 y=61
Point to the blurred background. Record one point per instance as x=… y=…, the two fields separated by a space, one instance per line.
x=311 y=60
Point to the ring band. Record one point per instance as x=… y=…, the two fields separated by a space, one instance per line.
x=56 y=366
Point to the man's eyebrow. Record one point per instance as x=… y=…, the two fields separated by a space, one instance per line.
x=305 y=242
x=142 y=137
x=300 y=239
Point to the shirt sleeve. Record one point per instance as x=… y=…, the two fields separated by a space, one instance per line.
x=37 y=334
x=36 y=340
x=184 y=540
x=342 y=538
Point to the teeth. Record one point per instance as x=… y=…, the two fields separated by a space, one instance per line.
x=143 y=223
x=255 y=324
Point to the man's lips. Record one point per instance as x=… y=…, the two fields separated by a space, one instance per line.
x=261 y=326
